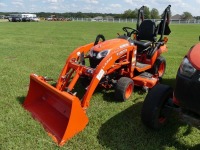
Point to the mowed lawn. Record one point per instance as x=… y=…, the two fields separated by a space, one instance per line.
x=43 y=48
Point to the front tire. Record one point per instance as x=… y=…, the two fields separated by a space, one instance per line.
x=159 y=67
x=155 y=110
x=124 y=89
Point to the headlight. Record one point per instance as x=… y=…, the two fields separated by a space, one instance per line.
x=102 y=54
x=186 y=68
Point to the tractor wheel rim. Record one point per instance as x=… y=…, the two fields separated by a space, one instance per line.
x=161 y=69
x=128 y=91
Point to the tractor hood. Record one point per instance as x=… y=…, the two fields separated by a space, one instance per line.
x=194 y=56
x=111 y=45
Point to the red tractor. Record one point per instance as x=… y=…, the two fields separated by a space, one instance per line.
x=120 y=63
x=161 y=99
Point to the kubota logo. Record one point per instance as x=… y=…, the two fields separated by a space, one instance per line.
x=124 y=45
x=122 y=52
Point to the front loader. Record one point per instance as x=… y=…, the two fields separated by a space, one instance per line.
x=132 y=59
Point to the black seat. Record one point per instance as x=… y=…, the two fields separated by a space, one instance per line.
x=146 y=35
x=147 y=31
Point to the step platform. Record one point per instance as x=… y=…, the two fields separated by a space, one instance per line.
x=140 y=67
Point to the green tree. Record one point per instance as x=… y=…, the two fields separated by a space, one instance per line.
x=128 y=14
x=197 y=17
x=135 y=13
x=146 y=13
x=186 y=15
x=154 y=14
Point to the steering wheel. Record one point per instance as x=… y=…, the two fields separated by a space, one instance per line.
x=129 y=31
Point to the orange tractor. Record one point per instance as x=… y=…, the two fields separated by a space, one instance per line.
x=130 y=59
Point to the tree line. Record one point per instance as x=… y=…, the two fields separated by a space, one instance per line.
x=153 y=14
x=129 y=14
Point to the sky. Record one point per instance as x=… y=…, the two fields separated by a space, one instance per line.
x=98 y=6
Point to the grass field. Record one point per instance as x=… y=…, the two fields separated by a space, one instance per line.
x=42 y=48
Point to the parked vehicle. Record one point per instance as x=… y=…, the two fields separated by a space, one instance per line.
x=49 y=19
x=9 y=18
x=15 y=19
x=35 y=19
x=26 y=19
x=185 y=98
x=21 y=17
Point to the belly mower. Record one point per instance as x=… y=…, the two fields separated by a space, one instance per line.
x=130 y=59
x=162 y=100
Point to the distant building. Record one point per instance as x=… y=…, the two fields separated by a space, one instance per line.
x=176 y=17
x=108 y=17
x=179 y=17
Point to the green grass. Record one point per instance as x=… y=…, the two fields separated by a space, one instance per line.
x=42 y=48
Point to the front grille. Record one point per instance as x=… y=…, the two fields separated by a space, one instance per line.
x=187 y=91
x=93 y=60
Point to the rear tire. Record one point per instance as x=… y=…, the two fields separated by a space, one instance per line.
x=124 y=88
x=159 y=67
x=155 y=112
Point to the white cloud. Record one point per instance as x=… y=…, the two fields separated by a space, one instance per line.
x=197 y=1
x=74 y=5
x=54 y=7
x=167 y=2
x=55 y=1
x=91 y=1
x=115 y=5
x=87 y=9
x=18 y=3
x=134 y=1
x=33 y=7
x=17 y=0
x=129 y=1
x=2 y=5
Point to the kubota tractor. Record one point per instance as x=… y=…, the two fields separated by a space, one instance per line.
x=130 y=59
x=161 y=101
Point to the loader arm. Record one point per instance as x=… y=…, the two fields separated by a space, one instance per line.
x=75 y=55
x=106 y=66
x=73 y=70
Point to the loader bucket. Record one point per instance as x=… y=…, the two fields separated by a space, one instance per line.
x=59 y=112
